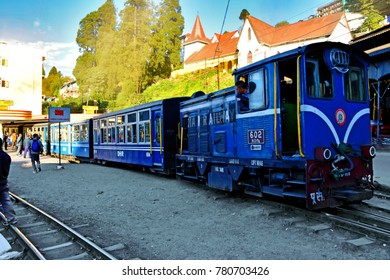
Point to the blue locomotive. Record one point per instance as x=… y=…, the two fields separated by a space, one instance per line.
x=305 y=135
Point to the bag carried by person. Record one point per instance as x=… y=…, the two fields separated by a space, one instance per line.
x=35 y=146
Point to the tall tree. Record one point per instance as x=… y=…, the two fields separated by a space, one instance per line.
x=165 y=42
x=133 y=49
x=52 y=84
x=104 y=55
x=244 y=13
x=367 y=8
x=95 y=28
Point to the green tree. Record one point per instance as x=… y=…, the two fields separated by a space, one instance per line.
x=95 y=39
x=108 y=86
x=165 y=42
x=374 y=19
x=244 y=13
x=133 y=50
x=53 y=83
x=282 y=23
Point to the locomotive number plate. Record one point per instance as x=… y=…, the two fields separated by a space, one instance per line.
x=256 y=136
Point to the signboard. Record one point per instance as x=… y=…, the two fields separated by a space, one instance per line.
x=59 y=114
x=90 y=109
x=6 y=102
x=256 y=136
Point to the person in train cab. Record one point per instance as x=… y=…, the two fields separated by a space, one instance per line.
x=6 y=203
x=242 y=96
x=35 y=147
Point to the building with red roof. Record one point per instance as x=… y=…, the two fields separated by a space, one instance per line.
x=258 y=40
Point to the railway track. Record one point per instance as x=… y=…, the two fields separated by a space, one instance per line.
x=40 y=236
x=370 y=220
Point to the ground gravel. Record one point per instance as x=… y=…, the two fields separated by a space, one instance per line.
x=167 y=219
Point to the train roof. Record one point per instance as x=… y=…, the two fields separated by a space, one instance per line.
x=197 y=99
x=301 y=50
x=142 y=106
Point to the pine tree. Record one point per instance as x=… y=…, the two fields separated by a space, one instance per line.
x=93 y=38
x=367 y=8
x=133 y=49
x=165 y=39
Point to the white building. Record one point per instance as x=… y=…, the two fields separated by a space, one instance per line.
x=259 y=40
x=20 y=79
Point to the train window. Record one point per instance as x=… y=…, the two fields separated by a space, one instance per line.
x=112 y=135
x=134 y=133
x=131 y=129
x=95 y=131
x=143 y=126
x=157 y=126
x=141 y=133
x=103 y=131
x=120 y=120
x=144 y=132
x=121 y=134
x=75 y=133
x=111 y=121
x=131 y=118
x=318 y=78
x=144 y=116
x=64 y=134
x=111 y=130
x=354 y=84
x=257 y=90
x=84 y=133
x=147 y=132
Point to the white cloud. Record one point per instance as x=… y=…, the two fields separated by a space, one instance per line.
x=61 y=55
x=36 y=23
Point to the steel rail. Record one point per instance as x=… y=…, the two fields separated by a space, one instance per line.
x=90 y=245
x=383 y=232
x=30 y=246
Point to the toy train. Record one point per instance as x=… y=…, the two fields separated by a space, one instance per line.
x=305 y=134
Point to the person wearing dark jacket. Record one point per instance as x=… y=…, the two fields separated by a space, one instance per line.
x=35 y=147
x=6 y=204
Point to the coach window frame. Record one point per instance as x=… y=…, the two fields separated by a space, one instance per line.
x=322 y=86
x=95 y=131
x=111 y=126
x=144 y=126
x=103 y=131
x=355 y=67
x=76 y=133
x=257 y=90
x=64 y=133
x=83 y=132
x=131 y=130
x=120 y=127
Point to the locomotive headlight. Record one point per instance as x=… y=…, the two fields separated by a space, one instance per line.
x=323 y=153
x=369 y=151
x=327 y=154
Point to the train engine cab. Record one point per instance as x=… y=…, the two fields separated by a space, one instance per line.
x=305 y=133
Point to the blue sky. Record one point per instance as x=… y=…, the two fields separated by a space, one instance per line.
x=52 y=25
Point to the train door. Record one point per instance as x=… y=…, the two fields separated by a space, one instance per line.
x=288 y=87
x=157 y=139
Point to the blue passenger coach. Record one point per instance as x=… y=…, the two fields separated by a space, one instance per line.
x=72 y=139
x=144 y=135
x=305 y=136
